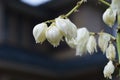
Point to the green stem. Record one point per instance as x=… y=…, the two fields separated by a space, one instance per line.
x=118 y=47
x=104 y=2
x=118 y=44
x=118 y=40
x=75 y=8
x=70 y=12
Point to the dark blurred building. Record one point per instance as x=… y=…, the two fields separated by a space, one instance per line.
x=22 y=59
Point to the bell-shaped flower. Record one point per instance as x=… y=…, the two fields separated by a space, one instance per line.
x=53 y=35
x=110 y=52
x=39 y=32
x=115 y=5
x=71 y=42
x=81 y=41
x=92 y=45
x=103 y=40
x=109 y=17
x=108 y=70
x=67 y=28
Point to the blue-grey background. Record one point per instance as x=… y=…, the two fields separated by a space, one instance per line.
x=22 y=59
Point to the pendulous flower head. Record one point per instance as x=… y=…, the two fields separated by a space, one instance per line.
x=91 y=45
x=67 y=28
x=109 y=17
x=39 y=32
x=81 y=41
x=53 y=35
x=103 y=40
x=108 y=70
x=110 y=52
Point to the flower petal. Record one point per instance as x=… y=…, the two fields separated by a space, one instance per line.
x=91 y=44
x=53 y=35
x=108 y=70
x=39 y=32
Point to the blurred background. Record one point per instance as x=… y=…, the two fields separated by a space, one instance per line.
x=22 y=59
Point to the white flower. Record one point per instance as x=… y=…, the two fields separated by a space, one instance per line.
x=109 y=17
x=81 y=41
x=91 y=44
x=39 y=32
x=103 y=40
x=67 y=28
x=110 y=52
x=115 y=5
x=71 y=42
x=108 y=70
x=53 y=35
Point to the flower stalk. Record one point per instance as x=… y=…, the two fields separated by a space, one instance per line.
x=70 y=12
x=75 y=8
x=104 y=2
x=118 y=37
x=118 y=40
x=118 y=47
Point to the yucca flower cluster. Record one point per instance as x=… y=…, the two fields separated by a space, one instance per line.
x=78 y=38
x=85 y=41
x=108 y=48
x=61 y=27
x=109 y=18
x=81 y=39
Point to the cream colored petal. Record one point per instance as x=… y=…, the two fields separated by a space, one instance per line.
x=81 y=41
x=39 y=32
x=67 y=28
x=71 y=43
x=81 y=50
x=53 y=35
x=91 y=45
x=109 y=17
x=108 y=70
x=103 y=40
x=110 y=52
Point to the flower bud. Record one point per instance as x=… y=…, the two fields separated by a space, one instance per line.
x=39 y=32
x=103 y=40
x=81 y=41
x=110 y=52
x=67 y=28
x=108 y=70
x=53 y=35
x=109 y=17
x=91 y=44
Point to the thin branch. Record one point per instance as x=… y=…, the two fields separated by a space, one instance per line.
x=104 y=2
